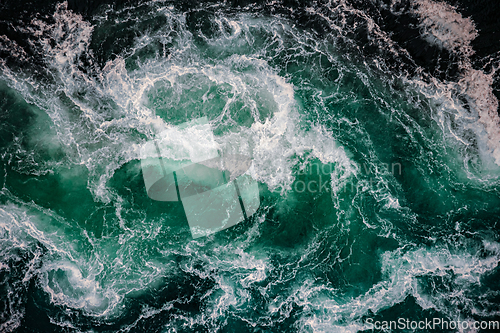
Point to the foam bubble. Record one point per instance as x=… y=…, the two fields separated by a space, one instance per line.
x=442 y=25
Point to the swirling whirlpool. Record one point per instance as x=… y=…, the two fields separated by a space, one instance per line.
x=373 y=132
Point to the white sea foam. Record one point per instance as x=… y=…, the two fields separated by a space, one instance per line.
x=12 y=247
x=104 y=136
x=402 y=271
x=272 y=142
x=22 y=228
x=443 y=25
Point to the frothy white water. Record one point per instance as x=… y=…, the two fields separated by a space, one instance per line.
x=101 y=118
x=404 y=271
x=272 y=139
x=59 y=268
x=443 y=25
x=12 y=247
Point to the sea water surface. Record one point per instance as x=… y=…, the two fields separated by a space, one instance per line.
x=375 y=140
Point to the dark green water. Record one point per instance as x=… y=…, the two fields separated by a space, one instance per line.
x=379 y=180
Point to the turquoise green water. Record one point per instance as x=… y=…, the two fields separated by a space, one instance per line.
x=377 y=200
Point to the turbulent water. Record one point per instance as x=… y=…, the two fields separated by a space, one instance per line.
x=375 y=140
